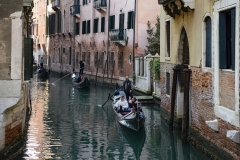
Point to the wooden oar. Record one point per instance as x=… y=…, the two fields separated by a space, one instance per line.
x=109 y=97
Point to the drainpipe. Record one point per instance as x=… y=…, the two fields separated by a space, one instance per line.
x=133 y=59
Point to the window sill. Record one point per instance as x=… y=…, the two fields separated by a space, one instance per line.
x=227 y=70
x=167 y=58
x=207 y=69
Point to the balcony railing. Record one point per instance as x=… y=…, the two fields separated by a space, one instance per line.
x=118 y=36
x=100 y=4
x=75 y=10
x=56 y=5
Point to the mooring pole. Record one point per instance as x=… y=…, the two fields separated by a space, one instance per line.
x=112 y=75
x=173 y=95
x=185 y=119
x=104 y=72
x=96 y=72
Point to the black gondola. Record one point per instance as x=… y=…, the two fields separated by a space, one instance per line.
x=42 y=73
x=80 y=81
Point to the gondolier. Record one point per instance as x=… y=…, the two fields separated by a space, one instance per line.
x=81 y=66
x=127 y=87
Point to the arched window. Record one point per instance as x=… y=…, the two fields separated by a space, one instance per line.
x=208 y=42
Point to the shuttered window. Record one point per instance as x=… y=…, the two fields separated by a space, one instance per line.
x=70 y=55
x=111 y=60
x=120 y=60
x=130 y=20
x=95 y=59
x=95 y=28
x=208 y=57
x=168 y=38
x=101 y=60
x=103 y=24
x=121 y=21
x=88 y=26
x=168 y=83
x=77 y=28
x=59 y=21
x=84 y=27
x=227 y=22
x=112 y=22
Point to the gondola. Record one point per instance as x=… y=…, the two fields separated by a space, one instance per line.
x=131 y=120
x=84 y=82
x=42 y=73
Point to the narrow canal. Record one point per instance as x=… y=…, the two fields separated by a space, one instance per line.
x=67 y=123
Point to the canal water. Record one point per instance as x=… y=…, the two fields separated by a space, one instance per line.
x=67 y=123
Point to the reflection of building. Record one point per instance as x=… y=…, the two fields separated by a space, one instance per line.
x=201 y=35
x=15 y=67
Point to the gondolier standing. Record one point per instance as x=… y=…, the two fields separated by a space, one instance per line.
x=127 y=86
x=81 y=66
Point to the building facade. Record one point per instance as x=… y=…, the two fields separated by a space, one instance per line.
x=201 y=35
x=16 y=65
x=100 y=32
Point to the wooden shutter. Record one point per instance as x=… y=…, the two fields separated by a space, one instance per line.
x=112 y=22
x=130 y=20
x=222 y=41
x=83 y=27
x=233 y=28
x=88 y=26
x=103 y=24
x=77 y=28
x=121 y=21
x=208 y=42
x=28 y=58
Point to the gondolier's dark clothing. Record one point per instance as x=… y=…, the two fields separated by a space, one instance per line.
x=81 y=66
x=127 y=86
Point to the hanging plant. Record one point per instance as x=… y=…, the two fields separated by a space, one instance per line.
x=155 y=68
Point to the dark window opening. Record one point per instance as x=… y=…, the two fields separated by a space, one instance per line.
x=130 y=20
x=121 y=21
x=103 y=24
x=88 y=26
x=208 y=56
x=95 y=29
x=77 y=28
x=168 y=83
x=84 y=27
x=112 y=22
x=168 y=38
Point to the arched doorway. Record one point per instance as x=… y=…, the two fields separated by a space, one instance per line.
x=183 y=62
x=183 y=48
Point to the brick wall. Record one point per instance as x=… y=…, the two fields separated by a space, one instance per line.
x=227 y=89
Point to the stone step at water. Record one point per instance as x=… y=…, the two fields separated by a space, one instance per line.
x=145 y=99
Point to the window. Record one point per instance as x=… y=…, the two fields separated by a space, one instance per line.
x=84 y=27
x=96 y=59
x=70 y=21
x=168 y=83
x=121 y=21
x=88 y=26
x=120 y=60
x=130 y=20
x=70 y=55
x=208 y=42
x=51 y=24
x=59 y=55
x=103 y=24
x=59 y=21
x=63 y=50
x=77 y=28
x=112 y=22
x=95 y=29
x=168 y=38
x=227 y=39
x=88 y=59
x=101 y=60
x=85 y=2
x=84 y=56
x=64 y=22
x=111 y=60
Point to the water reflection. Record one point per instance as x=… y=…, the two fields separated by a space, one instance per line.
x=67 y=123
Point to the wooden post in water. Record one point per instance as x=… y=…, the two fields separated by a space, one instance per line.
x=173 y=95
x=96 y=72
x=185 y=120
x=104 y=72
x=112 y=75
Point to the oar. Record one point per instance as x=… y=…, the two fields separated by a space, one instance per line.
x=61 y=78
x=109 y=97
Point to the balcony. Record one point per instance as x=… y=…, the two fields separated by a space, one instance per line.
x=75 y=10
x=56 y=5
x=118 y=36
x=100 y=5
x=173 y=7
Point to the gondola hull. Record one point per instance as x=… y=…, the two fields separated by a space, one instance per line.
x=42 y=73
x=130 y=120
x=84 y=83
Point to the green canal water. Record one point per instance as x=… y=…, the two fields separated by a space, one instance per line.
x=67 y=123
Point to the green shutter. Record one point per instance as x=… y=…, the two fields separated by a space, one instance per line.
x=28 y=58
x=222 y=41
x=233 y=26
